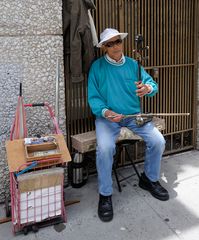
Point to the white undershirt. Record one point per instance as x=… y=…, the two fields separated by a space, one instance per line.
x=112 y=61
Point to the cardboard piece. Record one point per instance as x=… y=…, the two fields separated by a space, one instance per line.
x=16 y=154
x=40 y=179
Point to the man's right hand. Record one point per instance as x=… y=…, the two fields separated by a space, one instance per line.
x=112 y=116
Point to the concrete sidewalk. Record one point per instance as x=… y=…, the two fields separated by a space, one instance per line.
x=137 y=215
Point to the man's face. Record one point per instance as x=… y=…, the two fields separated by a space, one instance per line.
x=114 y=48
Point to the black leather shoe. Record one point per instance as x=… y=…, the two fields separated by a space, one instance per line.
x=154 y=188
x=105 y=209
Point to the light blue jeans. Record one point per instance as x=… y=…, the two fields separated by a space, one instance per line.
x=107 y=133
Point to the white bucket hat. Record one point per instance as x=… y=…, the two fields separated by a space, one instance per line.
x=109 y=33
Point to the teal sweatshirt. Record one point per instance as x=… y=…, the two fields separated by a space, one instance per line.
x=113 y=86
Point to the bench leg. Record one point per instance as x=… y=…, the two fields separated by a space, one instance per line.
x=117 y=179
x=132 y=163
x=118 y=155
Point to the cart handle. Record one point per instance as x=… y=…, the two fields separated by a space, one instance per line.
x=38 y=104
x=52 y=115
x=34 y=105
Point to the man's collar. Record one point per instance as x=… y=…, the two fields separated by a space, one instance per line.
x=112 y=61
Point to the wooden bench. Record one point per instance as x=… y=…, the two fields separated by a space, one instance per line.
x=86 y=142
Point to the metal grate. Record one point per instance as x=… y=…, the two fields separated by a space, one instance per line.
x=169 y=29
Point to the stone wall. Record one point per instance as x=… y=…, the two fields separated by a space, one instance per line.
x=197 y=97
x=30 y=43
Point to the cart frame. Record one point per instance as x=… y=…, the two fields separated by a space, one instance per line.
x=16 y=201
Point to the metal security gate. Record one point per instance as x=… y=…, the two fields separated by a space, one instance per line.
x=169 y=29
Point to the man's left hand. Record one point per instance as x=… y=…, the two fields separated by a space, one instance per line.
x=142 y=89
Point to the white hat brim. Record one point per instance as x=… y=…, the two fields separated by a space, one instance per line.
x=122 y=36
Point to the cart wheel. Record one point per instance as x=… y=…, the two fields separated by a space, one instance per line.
x=7 y=207
x=35 y=228
x=25 y=230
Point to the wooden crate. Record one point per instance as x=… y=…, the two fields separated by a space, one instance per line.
x=42 y=151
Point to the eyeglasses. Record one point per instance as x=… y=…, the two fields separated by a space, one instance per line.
x=111 y=44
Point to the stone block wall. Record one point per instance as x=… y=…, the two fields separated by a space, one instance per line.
x=31 y=42
x=197 y=98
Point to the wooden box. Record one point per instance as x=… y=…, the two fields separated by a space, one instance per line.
x=42 y=151
x=84 y=142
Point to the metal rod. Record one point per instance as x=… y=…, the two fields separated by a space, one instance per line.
x=57 y=91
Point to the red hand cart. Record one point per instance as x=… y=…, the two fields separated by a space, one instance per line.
x=36 y=186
